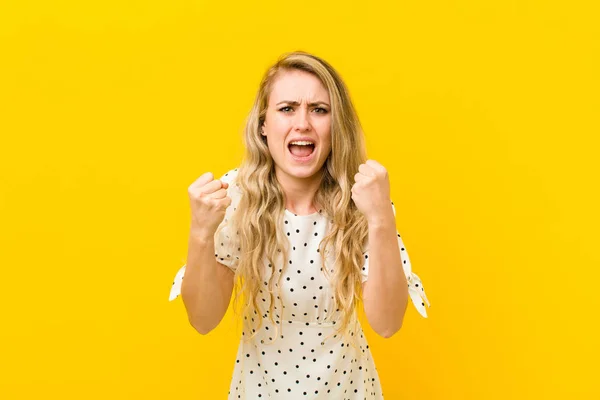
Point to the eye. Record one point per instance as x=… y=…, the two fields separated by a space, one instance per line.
x=283 y=108
x=324 y=111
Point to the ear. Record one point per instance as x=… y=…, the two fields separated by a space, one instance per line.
x=262 y=130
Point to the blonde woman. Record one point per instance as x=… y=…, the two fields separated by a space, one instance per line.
x=304 y=230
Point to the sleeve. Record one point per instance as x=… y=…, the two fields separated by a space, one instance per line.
x=415 y=287
x=227 y=250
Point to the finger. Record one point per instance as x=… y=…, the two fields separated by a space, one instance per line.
x=211 y=187
x=366 y=170
x=219 y=194
x=203 y=179
x=224 y=202
x=200 y=182
x=374 y=164
x=359 y=177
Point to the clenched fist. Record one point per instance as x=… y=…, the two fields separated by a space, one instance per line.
x=371 y=192
x=208 y=203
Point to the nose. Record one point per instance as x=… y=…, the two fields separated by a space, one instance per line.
x=302 y=123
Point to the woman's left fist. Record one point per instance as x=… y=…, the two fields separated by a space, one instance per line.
x=371 y=192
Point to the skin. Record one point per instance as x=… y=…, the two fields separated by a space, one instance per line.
x=285 y=122
x=385 y=293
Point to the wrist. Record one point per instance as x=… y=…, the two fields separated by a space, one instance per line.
x=202 y=236
x=385 y=220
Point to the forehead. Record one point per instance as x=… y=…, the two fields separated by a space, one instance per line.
x=298 y=85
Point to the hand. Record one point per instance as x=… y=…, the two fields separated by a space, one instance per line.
x=208 y=203
x=371 y=192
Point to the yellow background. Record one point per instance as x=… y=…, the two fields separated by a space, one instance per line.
x=485 y=114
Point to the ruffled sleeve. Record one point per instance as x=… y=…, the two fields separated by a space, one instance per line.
x=227 y=250
x=415 y=286
x=176 y=286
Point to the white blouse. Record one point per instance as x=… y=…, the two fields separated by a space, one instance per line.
x=301 y=363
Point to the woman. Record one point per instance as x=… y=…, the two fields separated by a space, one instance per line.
x=292 y=227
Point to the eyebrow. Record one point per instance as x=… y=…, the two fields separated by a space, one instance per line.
x=295 y=103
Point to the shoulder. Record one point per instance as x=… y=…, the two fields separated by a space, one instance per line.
x=233 y=190
x=229 y=176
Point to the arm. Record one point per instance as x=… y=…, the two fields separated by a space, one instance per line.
x=207 y=287
x=385 y=294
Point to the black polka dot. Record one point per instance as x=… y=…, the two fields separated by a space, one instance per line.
x=307 y=297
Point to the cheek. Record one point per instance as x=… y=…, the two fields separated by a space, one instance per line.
x=324 y=129
x=326 y=140
x=273 y=121
x=276 y=140
x=327 y=149
x=279 y=121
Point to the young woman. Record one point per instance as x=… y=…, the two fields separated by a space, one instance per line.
x=306 y=227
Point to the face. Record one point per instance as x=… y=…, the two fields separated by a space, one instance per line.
x=299 y=107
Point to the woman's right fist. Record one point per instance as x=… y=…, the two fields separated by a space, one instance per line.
x=208 y=203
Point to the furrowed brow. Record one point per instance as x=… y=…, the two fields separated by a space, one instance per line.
x=295 y=103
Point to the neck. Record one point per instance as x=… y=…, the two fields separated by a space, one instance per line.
x=299 y=191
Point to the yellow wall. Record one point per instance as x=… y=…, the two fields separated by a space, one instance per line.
x=484 y=112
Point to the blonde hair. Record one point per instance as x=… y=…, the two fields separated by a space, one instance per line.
x=260 y=211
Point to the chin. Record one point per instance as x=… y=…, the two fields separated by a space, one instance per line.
x=304 y=171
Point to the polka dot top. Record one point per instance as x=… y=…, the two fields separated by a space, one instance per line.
x=308 y=360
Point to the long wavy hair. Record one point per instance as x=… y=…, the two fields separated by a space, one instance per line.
x=260 y=212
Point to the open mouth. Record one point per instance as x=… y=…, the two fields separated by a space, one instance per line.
x=301 y=150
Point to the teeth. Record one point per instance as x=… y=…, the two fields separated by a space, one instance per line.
x=302 y=143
